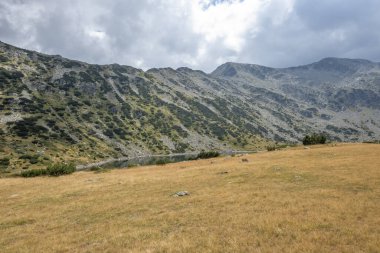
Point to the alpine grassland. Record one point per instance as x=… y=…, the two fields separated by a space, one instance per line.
x=325 y=198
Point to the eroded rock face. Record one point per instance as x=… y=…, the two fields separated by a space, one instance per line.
x=10 y=118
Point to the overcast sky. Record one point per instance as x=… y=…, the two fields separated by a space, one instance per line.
x=199 y=34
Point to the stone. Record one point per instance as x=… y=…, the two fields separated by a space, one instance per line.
x=181 y=194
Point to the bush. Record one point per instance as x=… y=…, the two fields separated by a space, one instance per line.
x=26 y=127
x=4 y=162
x=59 y=169
x=314 y=139
x=34 y=173
x=206 y=155
x=162 y=162
x=95 y=168
x=33 y=159
x=271 y=147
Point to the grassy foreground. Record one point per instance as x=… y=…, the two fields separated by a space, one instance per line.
x=323 y=199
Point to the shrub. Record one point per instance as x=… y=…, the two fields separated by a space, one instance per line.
x=95 y=168
x=4 y=162
x=162 y=161
x=59 y=169
x=314 y=139
x=33 y=159
x=26 y=127
x=208 y=154
x=271 y=147
x=34 y=173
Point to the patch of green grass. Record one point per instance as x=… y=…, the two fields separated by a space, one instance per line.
x=34 y=173
x=59 y=169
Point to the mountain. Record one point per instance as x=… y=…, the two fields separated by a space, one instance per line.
x=338 y=96
x=56 y=109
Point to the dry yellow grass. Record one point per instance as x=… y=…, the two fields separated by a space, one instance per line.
x=323 y=199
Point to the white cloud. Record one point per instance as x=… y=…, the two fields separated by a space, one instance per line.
x=227 y=22
x=98 y=35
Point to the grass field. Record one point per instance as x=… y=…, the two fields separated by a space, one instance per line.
x=322 y=199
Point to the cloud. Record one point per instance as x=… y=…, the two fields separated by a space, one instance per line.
x=199 y=34
x=308 y=31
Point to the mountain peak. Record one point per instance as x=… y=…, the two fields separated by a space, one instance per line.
x=227 y=69
x=230 y=69
x=340 y=64
x=328 y=64
x=336 y=60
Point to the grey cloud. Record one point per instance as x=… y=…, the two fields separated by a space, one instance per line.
x=149 y=32
x=135 y=30
x=159 y=35
x=332 y=14
x=318 y=29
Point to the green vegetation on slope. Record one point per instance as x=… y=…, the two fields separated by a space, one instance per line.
x=57 y=110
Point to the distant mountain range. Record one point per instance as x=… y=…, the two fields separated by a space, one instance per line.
x=56 y=109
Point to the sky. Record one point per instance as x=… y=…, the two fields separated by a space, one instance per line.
x=199 y=34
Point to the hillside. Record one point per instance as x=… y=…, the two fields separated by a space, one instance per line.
x=340 y=97
x=323 y=199
x=56 y=109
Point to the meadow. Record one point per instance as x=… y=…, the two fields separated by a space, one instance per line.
x=322 y=199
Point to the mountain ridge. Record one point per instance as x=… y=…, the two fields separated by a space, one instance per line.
x=184 y=67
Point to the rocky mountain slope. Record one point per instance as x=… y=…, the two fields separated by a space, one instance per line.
x=340 y=97
x=56 y=109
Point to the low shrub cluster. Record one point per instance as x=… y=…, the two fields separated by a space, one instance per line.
x=207 y=154
x=55 y=170
x=59 y=169
x=162 y=161
x=34 y=173
x=4 y=162
x=271 y=147
x=33 y=159
x=314 y=139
